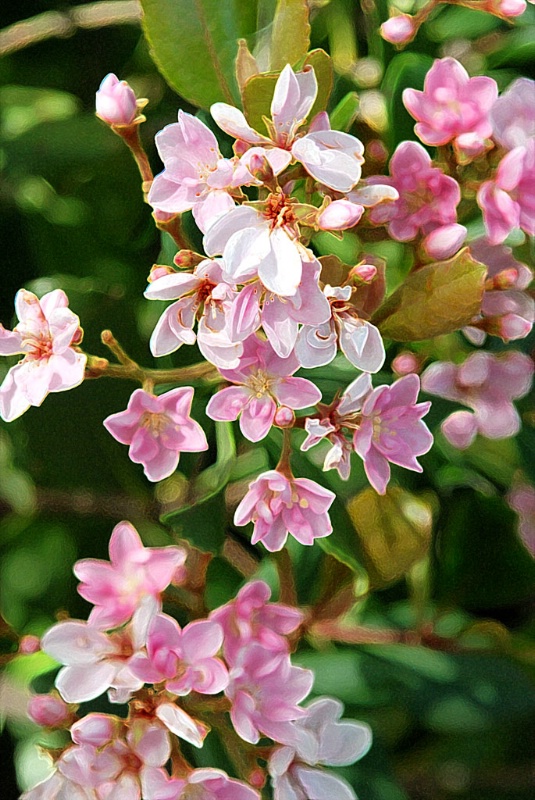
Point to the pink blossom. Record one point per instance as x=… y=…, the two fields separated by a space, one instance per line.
x=513 y=114
x=445 y=241
x=250 y=617
x=521 y=498
x=280 y=316
x=487 y=384
x=183 y=658
x=48 y=710
x=46 y=336
x=201 y=784
x=279 y=505
x=325 y=740
x=158 y=429
x=507 y=310
x=508 y=201
x=340 y=215
x=391 y=430
x=96 y=730
x=203 y=295
x=263 y=379
x=452 y=107
x=117 y=587
x=359 y=340
x=260 y=241
x=427 y=197
x=399 y=29
x=29 y=644
x=95 y=661
x=116 y=102
x=265 y=690
x=333 y=158
x=196 y=176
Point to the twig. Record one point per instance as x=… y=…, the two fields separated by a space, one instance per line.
x=61 y=24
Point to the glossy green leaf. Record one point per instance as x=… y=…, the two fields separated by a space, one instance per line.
x=436 y=299
x=405 y=70
x=258 y=90
x=194 y=44
x=394 y=531
x=291 y=33
x=345 y=113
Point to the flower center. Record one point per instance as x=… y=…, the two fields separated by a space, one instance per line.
x=38 y=348
x=278 y=211
x=259 y=383
x=155 y=423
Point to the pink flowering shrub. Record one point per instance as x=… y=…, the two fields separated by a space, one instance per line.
x=328 y=273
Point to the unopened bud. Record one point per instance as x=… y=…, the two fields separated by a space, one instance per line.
x=159 y=271
x=185 y=259
x=505 y=279
x=95 y=729
x=363 y=273
x=340 y=215
x=399 y=29
x=29 y=645
x=509 y=327
x=240 y=147
x=162 y=217
x=48 y=710
x=284 y=417
x=406 y=364
x=506 y=8
x=377 y=151
x=116 y=102
x=460 y=429
x=443 y=242
x=257 y=778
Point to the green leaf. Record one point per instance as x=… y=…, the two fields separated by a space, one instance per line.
x=345 y=113
x=194 y=44
x=290 y=38
x=405 y=70
x=518 y=48
x=436 y=299
x=258 y=90
x=394 y=531
x=199 y=514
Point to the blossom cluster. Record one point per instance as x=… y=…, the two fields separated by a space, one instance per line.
x=170 y=676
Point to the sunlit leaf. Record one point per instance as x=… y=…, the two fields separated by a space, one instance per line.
x=436 y=299
x=291 y=33
x=394 y=531
x=194 y=44
x=345 y=113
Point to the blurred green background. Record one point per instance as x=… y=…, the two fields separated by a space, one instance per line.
x=452 y=720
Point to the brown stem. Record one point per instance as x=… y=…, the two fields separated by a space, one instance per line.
x=288 y=593
x=284 y=460
x=130 y=136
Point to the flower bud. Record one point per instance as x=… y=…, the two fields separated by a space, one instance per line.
x=460 y=429
x=47 y=710
x=185 y=259
x=95 y=729
x=505 y=279
x=116 y=102
x=284 y=417
x=506 y=8
x=509 y=327
x=443 y=242
x=363 y=273
x=406 y=363
x=340 y=215
x=159 y=271
x=399 y=29
x=29 y=644
x=162 y=217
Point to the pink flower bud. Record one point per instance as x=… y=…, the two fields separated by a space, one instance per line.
x=185 y=259
x=505 y=279
x=364 y=273
x=284 y=417
x=460 y=429
x=406 y=363
x=116 y=102
x=443 y=242
x=508 y=327
x=399 y=29
x=159 y=271
x=95 y=729
x=506 y=8
x=47 y=710
x=241 y=147
x=377 y=151
x=162 y=216
x=29 y=644
x=340 y=215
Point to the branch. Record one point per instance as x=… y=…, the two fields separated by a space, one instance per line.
x=62 y=24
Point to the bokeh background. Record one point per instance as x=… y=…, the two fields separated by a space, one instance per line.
x=452 y=720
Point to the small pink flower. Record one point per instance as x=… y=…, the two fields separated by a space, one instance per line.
x=279 y=505
x=487 y=384
x=48 y=710
x=391 y=430
x=399 y=29
x=116 y=102
x=202 y=784
x=427 y=198
x=46 y=336
x=252 y=618
x=158 y=429
x=513 y=114
x=265 y=690
x=508 y=201
x=452 y=107
x=340 y=215
x=183 y=658
x=264 y=379
x=521 y=498
x=117 y=587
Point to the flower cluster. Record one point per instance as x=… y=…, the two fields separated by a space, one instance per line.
x=169 y=675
